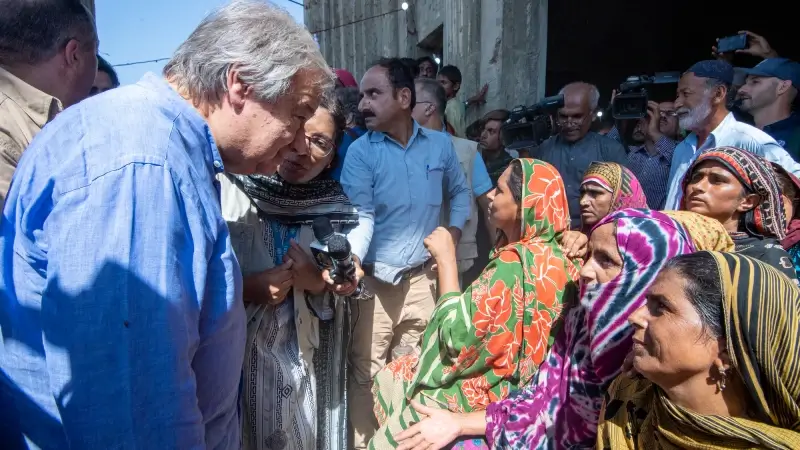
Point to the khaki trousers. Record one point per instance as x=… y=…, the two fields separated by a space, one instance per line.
x=395 y=317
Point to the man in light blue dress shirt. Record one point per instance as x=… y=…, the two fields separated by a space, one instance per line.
x=395 y=175
x=702 y=109
x=120 y=297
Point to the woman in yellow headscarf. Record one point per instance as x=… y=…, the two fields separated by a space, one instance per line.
x=713 y=316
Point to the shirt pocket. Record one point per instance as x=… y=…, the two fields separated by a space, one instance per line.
x=435 y=178
x=242 y=243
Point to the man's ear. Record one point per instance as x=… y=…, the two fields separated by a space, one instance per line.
x=237 y=90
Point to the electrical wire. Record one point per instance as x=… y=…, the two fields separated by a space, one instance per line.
x=135 y=63
x=355 y=21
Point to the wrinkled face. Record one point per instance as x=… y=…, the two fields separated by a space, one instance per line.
x=504 y=210
x=310 y=156
x=427 y=70
x=605 y=261
x=102 y=83
x=575 y=118
x=490 y=137
x=450 y=88
x=758 y=92
x=694 y=102
x=714 y=192
x=670 y=344
x=595 y=204
x=380 y=103
x=254 y=135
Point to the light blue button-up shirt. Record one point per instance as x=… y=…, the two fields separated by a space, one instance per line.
x=120 y=297
x=729 y=132
x=398 y=192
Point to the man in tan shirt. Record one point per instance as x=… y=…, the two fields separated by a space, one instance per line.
x=42 y=70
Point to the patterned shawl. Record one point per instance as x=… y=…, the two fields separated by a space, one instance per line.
x=706 y=233
x=487 y=342
x=560 y=408
x=755 y=173
x=761 y=307
x=626 y=192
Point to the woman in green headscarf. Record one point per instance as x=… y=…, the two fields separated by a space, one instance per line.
x=489 y=340
x=718 y=346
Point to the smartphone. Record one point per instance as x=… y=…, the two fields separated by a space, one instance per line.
x=732 y=43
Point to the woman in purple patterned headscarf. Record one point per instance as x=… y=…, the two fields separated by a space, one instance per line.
x=560 y=408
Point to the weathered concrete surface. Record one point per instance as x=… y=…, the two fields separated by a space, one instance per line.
x=499 y=42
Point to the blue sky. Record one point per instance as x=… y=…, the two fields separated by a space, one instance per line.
x=139 y=30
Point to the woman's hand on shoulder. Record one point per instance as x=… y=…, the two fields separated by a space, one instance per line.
x=575 y=244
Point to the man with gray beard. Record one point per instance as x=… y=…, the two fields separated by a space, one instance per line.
x=702 y=109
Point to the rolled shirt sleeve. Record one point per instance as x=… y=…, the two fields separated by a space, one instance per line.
x=357 y=183
x=481 y=183
x=460 y=195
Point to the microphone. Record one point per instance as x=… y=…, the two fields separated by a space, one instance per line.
x=339 y=251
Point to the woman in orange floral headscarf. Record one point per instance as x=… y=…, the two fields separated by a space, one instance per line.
x=487 y=342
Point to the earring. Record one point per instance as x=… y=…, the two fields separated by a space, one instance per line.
x=723 y=378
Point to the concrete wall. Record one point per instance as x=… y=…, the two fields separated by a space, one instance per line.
x=499 y=42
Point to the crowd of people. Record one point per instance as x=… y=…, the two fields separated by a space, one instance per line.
x=631 y=284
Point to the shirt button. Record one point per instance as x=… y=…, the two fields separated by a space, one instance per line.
x=217 y=164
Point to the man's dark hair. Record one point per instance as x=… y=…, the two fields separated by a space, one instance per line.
x=104 y=66
x=498 y=114
x=430 y=60
x=400 y=76
x=349 y=98
x=436 y=91
x=32 y=31
x=451 y=73
x=412 y=64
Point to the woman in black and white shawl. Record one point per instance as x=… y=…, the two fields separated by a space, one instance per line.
x=297 y=332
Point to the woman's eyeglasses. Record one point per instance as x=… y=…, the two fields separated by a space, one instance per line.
x=320 y=146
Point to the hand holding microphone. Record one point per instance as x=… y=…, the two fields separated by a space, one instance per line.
x=341 y=269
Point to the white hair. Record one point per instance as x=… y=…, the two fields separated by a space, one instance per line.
x=594 y=93
x=261 y=41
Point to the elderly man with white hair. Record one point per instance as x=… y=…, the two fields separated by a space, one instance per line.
x=576 y=147
x=120 y=296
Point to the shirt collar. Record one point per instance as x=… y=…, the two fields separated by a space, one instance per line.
x=379 y=136
x=160 y=85
x=39 y=106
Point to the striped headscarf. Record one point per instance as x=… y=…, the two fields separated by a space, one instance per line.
x=626 y=192
x=756 y=174
x=560 y=408
x=760 y=307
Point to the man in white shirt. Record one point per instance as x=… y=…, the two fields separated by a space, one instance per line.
x=702 y=109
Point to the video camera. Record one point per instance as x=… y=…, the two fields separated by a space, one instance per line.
x=331 y=251
x=529 y=126
x=631 y=102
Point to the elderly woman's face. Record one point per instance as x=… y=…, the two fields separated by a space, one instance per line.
x=605 y=261
x=595 y=203
x=670 y=345
x=310 y=156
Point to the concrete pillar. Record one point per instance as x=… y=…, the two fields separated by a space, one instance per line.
x=462 y=44
x=523 y=57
